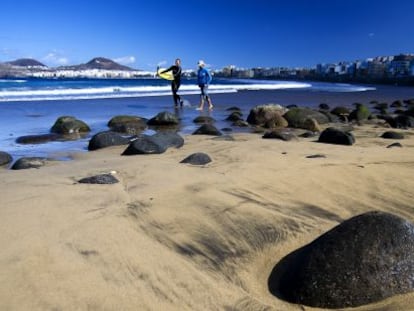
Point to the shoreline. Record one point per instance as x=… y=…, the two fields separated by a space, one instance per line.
x=172 y=236
x=30 y=118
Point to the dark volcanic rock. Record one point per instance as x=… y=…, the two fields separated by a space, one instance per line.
x=5 y=158
x=99 y=179
x=280 y=134
x=207 y=129
x=235 y=116
x=266 y=115
x=392 y=135
x=297 y=117
x=106 y=139
x=29 y=162
x=399 y=121
x=314 y=156
x=204 y=119
x=198 y=158
x=336 y=136
x=394 y=145
x=168 y=139
x=144 y=144
x=38 y=139
x=155 y=144
x=127 y=124
x=363 y=260
x=361 y=112
x=69 y=125
x=164 y=119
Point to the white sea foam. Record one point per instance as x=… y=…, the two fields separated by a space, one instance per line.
x=12 y=81
x=134 y=91
x=117 y=91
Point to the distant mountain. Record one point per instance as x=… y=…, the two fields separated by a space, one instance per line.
x=98 y=63
x=26 y=62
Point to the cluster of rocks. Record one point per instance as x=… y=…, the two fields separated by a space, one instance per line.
x=274 y=121
x=123 y=130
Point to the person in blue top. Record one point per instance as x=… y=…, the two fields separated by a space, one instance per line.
x=203 y=79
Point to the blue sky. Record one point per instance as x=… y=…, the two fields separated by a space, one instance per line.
x=259 y=33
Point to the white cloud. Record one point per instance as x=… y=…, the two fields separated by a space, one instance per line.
x=126 y=60
x=55 y=59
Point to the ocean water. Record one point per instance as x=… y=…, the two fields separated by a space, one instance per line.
x=30 y=107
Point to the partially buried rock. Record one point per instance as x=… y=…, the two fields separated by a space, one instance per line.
x=203 y=119
x=29 y=162
x=38 y=139
x=392 y=135
x=279 y=134
x=363 y=260
x=106 y=139
x=394 y=145
x=69 y=125
x=198 y=158
x=336 y=136
x=99 y=179
x=144 y=144
x=315 y=156
x=5 y=158
x=164 y=118
x=155 y=144
x=207 y=129
x=128 y=124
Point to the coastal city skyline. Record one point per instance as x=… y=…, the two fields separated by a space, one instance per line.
x=242 y=33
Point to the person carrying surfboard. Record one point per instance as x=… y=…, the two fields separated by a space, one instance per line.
x=176 y=82
x=203 y=79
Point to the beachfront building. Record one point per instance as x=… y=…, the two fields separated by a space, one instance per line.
x=412 y=68
x=376 y=69
x=400 y=66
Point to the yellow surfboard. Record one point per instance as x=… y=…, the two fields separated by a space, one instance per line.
x=166 y=75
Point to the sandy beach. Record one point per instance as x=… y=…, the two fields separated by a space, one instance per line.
x=173 y=236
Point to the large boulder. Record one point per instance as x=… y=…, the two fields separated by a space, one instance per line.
x=336 y=136
x=399 y=121
x=392 y=135
x=363 y=260
x=5 y=158
x=341 y=111
x=235 y=116
x=106 y=139
x=169 y=139
x=264 y=115
x=360 y=113
x=128 y=124
x=155 y=144
x=298 y=117
x=207 y=129
x=164 y=119
x=69 y=125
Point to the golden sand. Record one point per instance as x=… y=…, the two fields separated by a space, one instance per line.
x=172 y=236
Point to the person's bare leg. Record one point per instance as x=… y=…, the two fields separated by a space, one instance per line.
x=201 y=106
x=210 y=105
